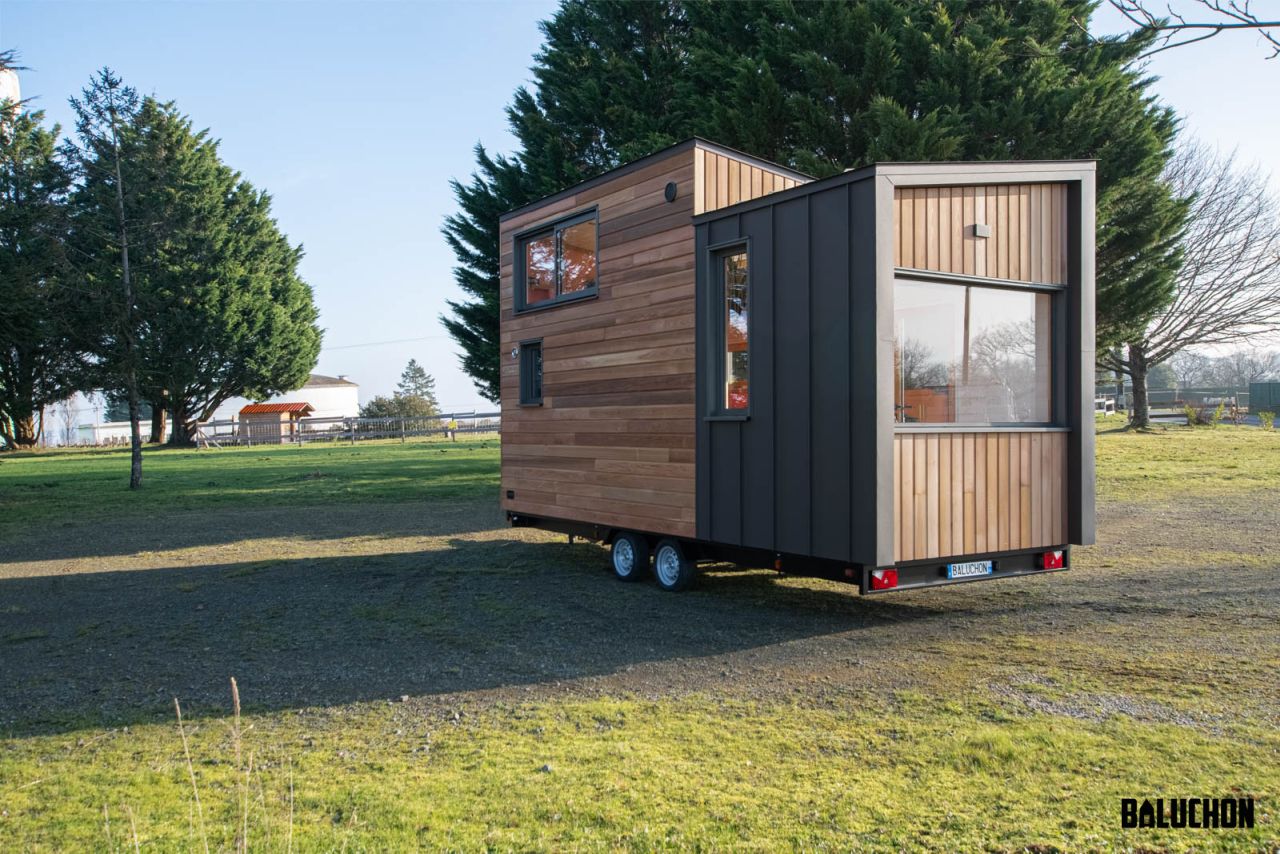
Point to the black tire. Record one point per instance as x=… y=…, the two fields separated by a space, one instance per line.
x=672 y=568
x=629 y=556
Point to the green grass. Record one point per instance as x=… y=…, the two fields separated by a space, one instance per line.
x=1185 y=462
x=49 y=488
x=698 y=772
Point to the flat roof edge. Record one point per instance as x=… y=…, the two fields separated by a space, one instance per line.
x=908 y=173
x=662 y=153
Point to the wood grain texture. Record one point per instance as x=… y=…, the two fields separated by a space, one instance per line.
x=933 y=230
x=973 y=493
x=613 y=442
x=726 y=181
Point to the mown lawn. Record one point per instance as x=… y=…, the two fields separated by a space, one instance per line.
x=475 y=688
x=44 y=488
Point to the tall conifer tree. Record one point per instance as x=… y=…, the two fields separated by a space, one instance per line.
x=828 y=86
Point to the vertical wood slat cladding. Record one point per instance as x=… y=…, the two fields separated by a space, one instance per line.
x=720 y=180
x=613 y=441
x=933 y=228
x=968 y=493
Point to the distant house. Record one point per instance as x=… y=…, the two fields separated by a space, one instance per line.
x=271 y=423
x=329 y=397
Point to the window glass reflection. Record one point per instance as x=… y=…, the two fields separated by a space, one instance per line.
x=971 y=355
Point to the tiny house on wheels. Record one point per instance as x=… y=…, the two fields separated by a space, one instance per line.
x=883 y=377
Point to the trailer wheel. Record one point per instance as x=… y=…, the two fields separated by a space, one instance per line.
x=630 y=556
x=672 y=567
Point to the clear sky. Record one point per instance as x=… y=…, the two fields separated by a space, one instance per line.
x=356 y=115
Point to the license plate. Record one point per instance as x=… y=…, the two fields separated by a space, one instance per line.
x=969 y=569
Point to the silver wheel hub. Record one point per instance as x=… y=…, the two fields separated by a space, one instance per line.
x=668 y=566
x=624 y=557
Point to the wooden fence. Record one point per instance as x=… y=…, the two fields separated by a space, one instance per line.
x=303 y=431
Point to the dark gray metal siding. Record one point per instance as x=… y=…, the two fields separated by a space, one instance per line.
x=797 y=476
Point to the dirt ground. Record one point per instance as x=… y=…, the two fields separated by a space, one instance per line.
x=104 y=625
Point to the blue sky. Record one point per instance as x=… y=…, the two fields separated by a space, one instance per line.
x=356 y=115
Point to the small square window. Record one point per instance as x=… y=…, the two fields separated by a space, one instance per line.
x=531 y=373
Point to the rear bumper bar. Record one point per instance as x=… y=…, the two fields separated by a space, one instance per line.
x=933 y=573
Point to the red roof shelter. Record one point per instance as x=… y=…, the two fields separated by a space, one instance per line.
x=272 y=423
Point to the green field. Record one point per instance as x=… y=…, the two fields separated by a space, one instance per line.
x=415 y=675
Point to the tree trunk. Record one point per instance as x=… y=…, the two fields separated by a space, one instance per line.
x=183 y=431
x=130 y=345
x=1119 y=379
x=25 y=432
x=1140 y=411
x=158 y=422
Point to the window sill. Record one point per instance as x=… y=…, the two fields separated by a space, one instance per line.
x=557 y=302
x=979 y=428
x=727 y=417
x=531 y=405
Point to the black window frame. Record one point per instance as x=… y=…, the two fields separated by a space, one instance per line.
x=555 y=228
x=531 y=378
x=1057 y=351
x=716 y=408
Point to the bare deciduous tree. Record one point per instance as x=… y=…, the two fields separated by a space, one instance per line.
x=1243 y=366
x=1228 y=290
x=1190 y=368
x=1210 y=18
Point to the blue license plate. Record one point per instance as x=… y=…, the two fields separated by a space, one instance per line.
x=969 y=569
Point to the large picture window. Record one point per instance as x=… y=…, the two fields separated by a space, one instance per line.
x=557 y=263
x=736 y=354
x=972 y=355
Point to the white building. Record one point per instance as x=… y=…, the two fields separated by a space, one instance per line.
x=79 y=421
x=330 y=397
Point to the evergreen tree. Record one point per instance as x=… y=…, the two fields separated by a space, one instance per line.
x=225 y=312
x=37 y=364
x=110 y=316
x=824 y=87
x=399 y=406
x=416 y=382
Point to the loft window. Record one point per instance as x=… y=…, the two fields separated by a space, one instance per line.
x=557 y=263
x=972 y=355
x=735 y=344
x=531 y=373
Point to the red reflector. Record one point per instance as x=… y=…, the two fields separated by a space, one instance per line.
x=884 y=579
x=1051 y=560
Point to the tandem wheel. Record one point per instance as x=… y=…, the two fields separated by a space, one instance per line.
x=629 y=554
x=672 y=568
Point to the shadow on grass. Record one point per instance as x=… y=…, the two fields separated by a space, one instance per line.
x=174 y=529
x=111 y=648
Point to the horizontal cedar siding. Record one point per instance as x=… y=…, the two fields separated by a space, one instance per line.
x=612 y=443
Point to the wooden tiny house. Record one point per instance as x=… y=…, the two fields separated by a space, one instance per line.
x=879 y=376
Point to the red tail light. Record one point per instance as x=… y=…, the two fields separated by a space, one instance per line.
x=884 y=579
x=1052 y=560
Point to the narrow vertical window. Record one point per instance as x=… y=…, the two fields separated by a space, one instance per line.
x=737 y=349
x=531 y=373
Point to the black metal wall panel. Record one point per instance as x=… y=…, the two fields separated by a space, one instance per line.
x=868 y=371
x=829 y=372
x=789 y=240
x=757 y=494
